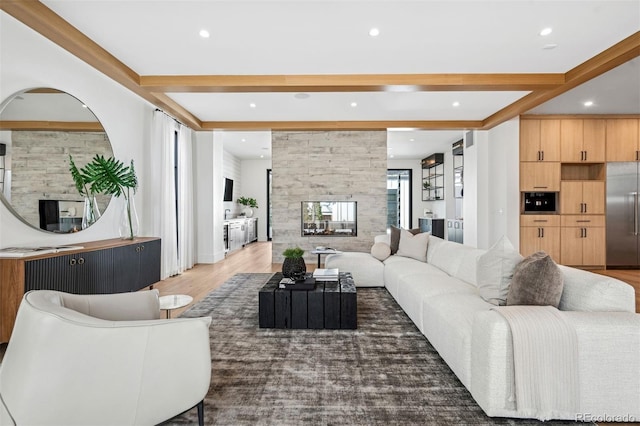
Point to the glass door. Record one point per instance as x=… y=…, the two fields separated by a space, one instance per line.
x=399 y=198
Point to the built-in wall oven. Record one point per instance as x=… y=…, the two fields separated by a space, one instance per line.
x=540 y=202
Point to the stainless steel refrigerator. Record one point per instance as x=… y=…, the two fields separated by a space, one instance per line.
x=623 y=221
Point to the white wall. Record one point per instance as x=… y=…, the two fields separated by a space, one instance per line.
x=28 y=60
x=231 y=168
x=254 y=185
x=504 y=176
x=491 y=182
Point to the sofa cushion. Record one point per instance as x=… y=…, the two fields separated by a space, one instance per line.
x=495 y=270
x=448 y=322
x=468 y=264
x=413 y=246
x=380 y=251
x=366 y=270
x=397 y=267
x=414 y=288
x=449 y=256
x=537 y=280
x=394 y=237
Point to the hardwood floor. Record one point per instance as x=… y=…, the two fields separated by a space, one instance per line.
x=204 y=278
x=256 y=257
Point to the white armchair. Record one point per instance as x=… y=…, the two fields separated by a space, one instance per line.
x=102 y=360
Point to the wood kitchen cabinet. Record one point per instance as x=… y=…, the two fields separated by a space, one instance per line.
x=107 y=266
x=582 y=140
x=583 y=240
x=582 y=197
x=623 y=139
x=540 y=233
x=539 y=176
x=540 y=140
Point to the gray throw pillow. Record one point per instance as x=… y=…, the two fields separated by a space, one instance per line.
x=537 y=280
x=394 y=238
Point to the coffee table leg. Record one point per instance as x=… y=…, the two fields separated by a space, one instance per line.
x=318 y=260
x=168 y=313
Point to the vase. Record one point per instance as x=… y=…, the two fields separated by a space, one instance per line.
x=129 y=225
x=91 y=213
x=292 y=266
x=248 y=212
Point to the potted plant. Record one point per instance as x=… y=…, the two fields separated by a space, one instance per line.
x=249 y=204
x=110 y=176
x=293 y=262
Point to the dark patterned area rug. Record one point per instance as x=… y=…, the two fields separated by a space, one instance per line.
x=385 y=372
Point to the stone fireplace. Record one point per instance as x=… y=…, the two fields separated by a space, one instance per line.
x=328 y=166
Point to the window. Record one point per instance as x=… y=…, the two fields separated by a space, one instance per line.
x=399 y=198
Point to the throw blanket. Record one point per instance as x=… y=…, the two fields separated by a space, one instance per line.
x=545 y=359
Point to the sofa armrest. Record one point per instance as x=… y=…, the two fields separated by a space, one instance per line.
x=609 y=365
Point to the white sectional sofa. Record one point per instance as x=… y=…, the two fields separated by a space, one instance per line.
x=442 y=299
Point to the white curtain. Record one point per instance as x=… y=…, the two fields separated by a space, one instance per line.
x=172 y=220
x=186 y=217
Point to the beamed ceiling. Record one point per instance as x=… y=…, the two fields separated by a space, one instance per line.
x=485 y=55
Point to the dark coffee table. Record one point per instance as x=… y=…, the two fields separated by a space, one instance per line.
x=331 y=305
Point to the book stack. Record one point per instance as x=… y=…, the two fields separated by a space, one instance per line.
x=330 y=274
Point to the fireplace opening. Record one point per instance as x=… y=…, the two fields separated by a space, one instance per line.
x=329 y=219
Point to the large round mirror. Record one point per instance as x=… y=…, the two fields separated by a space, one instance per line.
x=39 y=129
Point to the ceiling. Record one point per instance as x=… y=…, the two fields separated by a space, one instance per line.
x=313 y=65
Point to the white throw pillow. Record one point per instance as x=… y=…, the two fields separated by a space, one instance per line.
x=413 y=246
x=381 y=251
x=495 y=271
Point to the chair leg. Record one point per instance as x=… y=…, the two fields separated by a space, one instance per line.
x=201 y=413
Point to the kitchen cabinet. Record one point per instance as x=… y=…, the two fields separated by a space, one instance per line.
x=540 y=233
x=99 y=267
x=236 y=235
x=252 y=230
x=539 y=177
x=433 y=177
x=583 y=241
x=455 y=230
x=623 y=139
x=540 y=140
x=434 y=226
x=578 y=197
x=582 y=140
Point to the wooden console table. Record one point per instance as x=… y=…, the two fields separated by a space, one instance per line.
x=100 y=267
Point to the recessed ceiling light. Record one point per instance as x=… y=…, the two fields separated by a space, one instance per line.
x=411 y=140
x=549 y=46
x=243 y=140
x=546 y=31
x=301 y=95
x=391 y=156
x=252 y=105
x=456 y=104
x=354 y=104
x=374 y=32
x=588 y=103
x=262 y=156
x=204 y=33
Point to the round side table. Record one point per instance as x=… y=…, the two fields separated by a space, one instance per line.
x=174 y=301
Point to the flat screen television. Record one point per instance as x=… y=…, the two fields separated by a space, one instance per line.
x=228 y=189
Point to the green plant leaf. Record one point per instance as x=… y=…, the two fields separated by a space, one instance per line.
x=110 y=176
x=293 y=253
x=78 y=179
